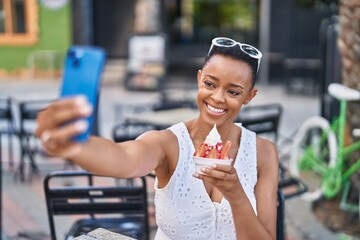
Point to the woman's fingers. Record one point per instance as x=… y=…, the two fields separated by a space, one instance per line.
x=218 y=175
x=61 y=136
x=60 y=122
x=62 y=112
x=223 y=177
x=219 y=171
x=71 y=108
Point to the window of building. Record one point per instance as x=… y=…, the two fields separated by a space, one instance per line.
x=18 y=22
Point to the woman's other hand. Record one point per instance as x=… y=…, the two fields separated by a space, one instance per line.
x=224 y=178
x=60 y=122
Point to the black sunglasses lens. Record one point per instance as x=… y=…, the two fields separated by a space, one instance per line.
x=250 y=50
x=225 y=42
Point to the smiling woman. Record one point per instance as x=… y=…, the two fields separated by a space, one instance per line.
x=18 y=22
x=236 y=201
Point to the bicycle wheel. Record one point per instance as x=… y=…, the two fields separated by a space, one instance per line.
x=313 y=152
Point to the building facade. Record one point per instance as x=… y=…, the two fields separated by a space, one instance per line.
x=34 y=36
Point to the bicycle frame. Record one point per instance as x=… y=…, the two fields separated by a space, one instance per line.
x=345 y=151
x=335 y=177
x=344 y=172
x=319 y=147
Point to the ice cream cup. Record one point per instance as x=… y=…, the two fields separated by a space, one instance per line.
x=207 y=163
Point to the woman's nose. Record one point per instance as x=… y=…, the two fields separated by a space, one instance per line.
x=218 y=95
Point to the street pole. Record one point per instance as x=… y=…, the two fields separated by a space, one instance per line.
x=264 y=39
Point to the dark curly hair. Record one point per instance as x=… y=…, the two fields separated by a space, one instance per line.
x=236 y=54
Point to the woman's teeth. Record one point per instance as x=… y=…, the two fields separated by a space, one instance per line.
x=216 y=110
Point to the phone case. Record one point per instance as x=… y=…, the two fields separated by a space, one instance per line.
x=82 y=76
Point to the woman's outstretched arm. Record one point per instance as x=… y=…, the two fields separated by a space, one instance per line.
x=57 y=125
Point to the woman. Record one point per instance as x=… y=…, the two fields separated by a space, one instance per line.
x=226 y=202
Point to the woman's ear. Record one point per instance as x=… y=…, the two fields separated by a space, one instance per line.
x=250 y=95
x=199 y=75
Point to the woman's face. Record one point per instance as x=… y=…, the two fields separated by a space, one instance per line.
x=224 y=86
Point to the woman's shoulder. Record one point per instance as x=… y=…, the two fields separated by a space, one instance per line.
x=267 y=156
x=162 y=140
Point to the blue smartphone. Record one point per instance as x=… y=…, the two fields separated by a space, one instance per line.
x=82 y=76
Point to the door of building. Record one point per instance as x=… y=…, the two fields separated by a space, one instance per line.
x=113 y=22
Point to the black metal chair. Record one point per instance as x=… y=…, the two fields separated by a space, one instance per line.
x=121 y=209
x=168 y=100
x=265 y=119
x=280 y=216
x=7 y=116
x=167 y=105
x=262 y=119
x=29 y=145
x=126 y=131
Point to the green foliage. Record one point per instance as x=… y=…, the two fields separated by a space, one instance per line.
x=233 y=13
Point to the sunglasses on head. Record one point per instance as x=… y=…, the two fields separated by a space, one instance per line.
x=246 y=48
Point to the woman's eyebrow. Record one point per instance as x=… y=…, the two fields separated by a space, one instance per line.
x=218 y=80
x=212 y=77
x=236 y=85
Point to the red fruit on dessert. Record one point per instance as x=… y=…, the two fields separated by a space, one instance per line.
x=201 y=150
x=212 y=147
x=224 y=154
x=219 y=151
x=213 y=153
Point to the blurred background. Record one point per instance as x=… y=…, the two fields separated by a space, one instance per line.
x=154 y=49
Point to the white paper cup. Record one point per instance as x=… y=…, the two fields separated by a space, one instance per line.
x=208 y=162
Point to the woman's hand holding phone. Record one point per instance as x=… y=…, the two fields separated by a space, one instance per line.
x=82 y=76
x=65 y=126
x=60 y=122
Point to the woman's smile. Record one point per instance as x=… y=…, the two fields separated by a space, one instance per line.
x=214 y=110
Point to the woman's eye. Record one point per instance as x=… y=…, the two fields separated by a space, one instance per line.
x=233 y=93
x=209 y=84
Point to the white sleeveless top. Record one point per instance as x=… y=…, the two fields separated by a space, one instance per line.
x=184 y=209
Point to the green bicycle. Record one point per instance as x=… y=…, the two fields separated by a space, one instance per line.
x=319 y=155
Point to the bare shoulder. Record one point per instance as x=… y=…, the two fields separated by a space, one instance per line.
x=267 y=156
x=163 y=141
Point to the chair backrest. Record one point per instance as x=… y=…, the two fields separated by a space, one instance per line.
x=90 y=198
x=280 y=216
x=167 y=105
x=261 y=118
x=175 y=98
x=129 y=131
x=28 y=111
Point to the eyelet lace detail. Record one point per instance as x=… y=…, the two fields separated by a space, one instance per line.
x=183 y=208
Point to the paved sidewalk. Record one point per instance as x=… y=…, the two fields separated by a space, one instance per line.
x=24 y=205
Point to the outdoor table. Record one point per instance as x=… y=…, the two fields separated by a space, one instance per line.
x=164 y=118
x=103 y=234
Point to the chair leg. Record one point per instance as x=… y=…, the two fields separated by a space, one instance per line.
x=20 y=171
x=11 y=153
x=26 y=151
x=31 y=155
